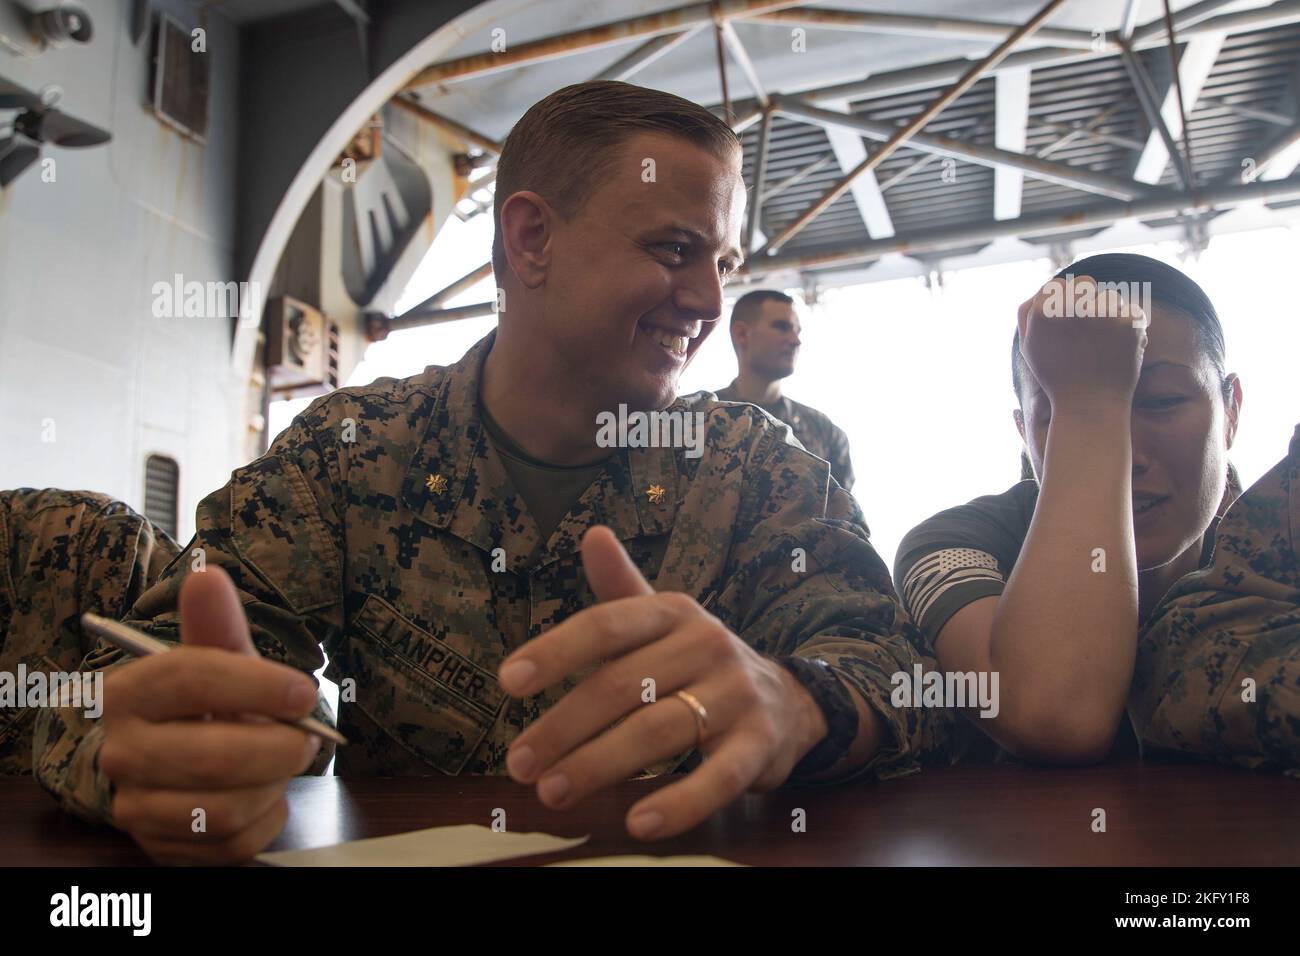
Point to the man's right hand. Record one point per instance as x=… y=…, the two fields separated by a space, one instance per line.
x=191 y=730
x=1083 y=358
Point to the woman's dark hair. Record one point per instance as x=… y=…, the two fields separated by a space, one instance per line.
x=1169 y=286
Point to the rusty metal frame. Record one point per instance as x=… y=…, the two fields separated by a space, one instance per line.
x=665 y=30
x=913 y=126
x=935 y=240
x=453 y=289
x=799 y=175
x=415 y=318
x=722 y=71
x=1287 y=141
x=760 y=175
x=908 y=25
x=1171 y=41
x=1149 y=100
x=447 y=124
x=645 y=54
x=1062 y=173
x=590 y=38
x=741 y=56
x=1147 y=36
x=1038 y=224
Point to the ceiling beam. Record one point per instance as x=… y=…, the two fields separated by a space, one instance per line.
x=467 y=281
x=1280 y=158
x=1243 y=109
x=1069 y=134
x=590 y=38
x=901 y=134
x=1186 y=17
x=899 y=24
x=1038 y=224
x=1128 y=22
x=1194 y=68
x=742 y=59
x=760 y=177
x=645 y=54
x=890 y=82
x=447 y=124
x=799 y=175
x=1009 y=132
x=1149 y=100
x=1063 y=174
x=850 y=151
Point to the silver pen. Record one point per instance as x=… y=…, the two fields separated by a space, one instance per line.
x=142 y=645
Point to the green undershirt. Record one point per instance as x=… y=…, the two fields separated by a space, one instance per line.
x=549 y=491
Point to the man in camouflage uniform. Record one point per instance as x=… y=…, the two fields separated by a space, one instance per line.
x=730 y=602
x=765 y=334
x=1218 y=665
x=64 y=553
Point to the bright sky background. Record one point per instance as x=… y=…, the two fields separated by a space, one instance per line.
x=920 y=380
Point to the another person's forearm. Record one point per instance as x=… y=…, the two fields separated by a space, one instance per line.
x=1065 y=629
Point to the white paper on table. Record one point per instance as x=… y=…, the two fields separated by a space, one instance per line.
x=634 y=860
x=438 y=846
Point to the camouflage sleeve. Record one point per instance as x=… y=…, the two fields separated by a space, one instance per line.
x=63 y=552
x=1218 y=665
x=122 y=555
x=841 y=465
x=276 y=529
x=806 y=581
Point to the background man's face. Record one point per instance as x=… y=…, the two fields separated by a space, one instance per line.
x=634 y=283
x=773 y=341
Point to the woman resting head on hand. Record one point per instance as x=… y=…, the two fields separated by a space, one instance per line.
x=1127 y=412
x=1185 y=407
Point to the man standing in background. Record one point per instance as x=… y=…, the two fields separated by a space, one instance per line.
x=765 y=334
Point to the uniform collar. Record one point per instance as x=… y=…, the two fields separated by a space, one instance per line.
x=457 y=482
x=781 y=410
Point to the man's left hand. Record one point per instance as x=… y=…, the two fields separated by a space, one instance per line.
x=760 y=720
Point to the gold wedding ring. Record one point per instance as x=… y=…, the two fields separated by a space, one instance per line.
x=701 y=715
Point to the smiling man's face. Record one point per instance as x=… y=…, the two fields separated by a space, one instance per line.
x=634 y=281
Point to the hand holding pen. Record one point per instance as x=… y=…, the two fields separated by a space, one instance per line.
x=172 y=745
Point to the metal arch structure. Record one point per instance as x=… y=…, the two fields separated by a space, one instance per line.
x=1054 y=125
x=1051 y=50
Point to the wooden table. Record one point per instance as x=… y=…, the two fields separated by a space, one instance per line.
x=1155 y=815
